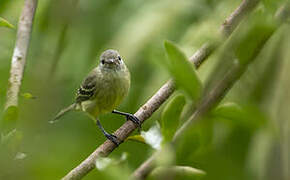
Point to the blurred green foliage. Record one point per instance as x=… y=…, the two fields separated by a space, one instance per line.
x=245 y=137
x=5 y=23
x=170 y=117
x=182 y=71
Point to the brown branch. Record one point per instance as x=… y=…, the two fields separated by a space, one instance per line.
x=155 y=101
x=234 y=19
x=20 y=51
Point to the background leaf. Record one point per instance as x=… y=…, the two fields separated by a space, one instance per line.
x=170 y=117
x=250 y=38
x=183 y=71
x=178 y=172
x=9 y=119
x=28 y=95
x=137 y=138
x=229 y=110
x=235 y=114
x=5 y=23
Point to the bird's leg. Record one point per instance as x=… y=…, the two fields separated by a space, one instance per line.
x=111 y=137
x=130 y=117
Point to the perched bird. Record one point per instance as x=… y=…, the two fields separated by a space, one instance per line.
x=103 y=90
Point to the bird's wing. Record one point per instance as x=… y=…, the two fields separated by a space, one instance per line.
x=87 y=88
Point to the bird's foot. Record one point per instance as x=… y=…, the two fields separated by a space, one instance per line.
x=135 y=120
x=113 y=138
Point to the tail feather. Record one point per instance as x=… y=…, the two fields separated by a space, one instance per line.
x=63 y=111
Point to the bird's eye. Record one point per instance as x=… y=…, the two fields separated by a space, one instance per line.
x=103 y=61
x=119 y=58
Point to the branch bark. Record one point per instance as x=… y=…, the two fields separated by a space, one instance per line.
x=234 y=19
x=20 y=52
x=159 y=97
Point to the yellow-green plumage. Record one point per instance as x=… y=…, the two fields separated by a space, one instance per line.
x=112 y=85
x=104 y=88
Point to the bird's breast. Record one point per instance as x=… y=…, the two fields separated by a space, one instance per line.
x=110 y=91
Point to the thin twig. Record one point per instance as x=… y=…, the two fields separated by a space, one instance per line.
x=234 y=19
x=154 y=102
x=20 y=51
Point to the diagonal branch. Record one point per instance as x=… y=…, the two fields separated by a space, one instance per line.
x=235 y=18
x=159 y=97
x=20 y=52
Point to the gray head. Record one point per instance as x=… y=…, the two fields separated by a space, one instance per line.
x=111 y=59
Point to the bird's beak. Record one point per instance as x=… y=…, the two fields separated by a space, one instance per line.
x=110 y=61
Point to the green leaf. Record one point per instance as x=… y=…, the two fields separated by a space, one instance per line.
x=252 y=37
x=28 y=95
x=5 y=23
x=170 y=117
x=229 y=110
x=178 y=171
x=137 y=138
x=249 y=116
x=165 y=156
x=272 y=5
x=183 y=71
x=10 y=117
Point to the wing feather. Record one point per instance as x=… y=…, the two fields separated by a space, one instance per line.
x=87 y=88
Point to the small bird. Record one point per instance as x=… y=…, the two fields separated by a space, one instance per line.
x=103 y=90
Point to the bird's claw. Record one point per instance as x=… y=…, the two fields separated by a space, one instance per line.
x=135 y=120
x=113 y=139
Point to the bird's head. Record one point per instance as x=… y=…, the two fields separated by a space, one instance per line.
x=111 y=59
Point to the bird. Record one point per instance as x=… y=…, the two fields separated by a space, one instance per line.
x=102 y=91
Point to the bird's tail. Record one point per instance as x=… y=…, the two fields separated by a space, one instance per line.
x=62 y=112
